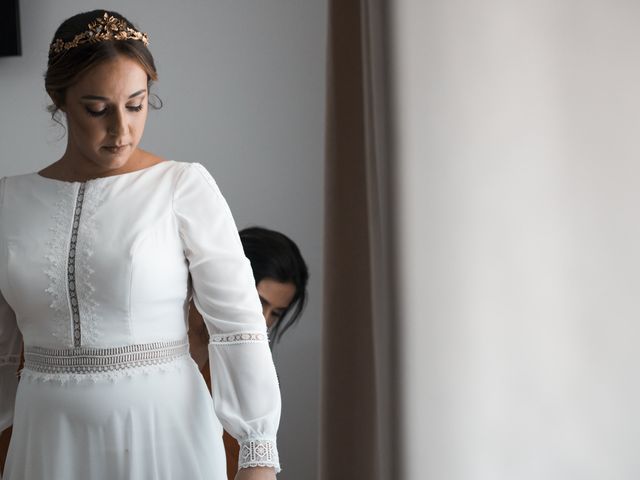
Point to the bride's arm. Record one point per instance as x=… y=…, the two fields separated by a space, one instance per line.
x=246 y=395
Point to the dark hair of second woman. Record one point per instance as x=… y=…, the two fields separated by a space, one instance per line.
x=275 y=256
x=64 y=68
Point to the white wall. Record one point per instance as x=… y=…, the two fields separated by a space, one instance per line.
x=243 y=87
x=518 y=182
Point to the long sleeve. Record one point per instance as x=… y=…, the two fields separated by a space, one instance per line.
x=10 y=345
x=246 y=395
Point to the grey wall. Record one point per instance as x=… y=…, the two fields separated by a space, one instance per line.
x=243 y=90
x=519 y=186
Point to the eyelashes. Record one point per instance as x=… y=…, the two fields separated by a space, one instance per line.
x=93 y=113
x=100 y=113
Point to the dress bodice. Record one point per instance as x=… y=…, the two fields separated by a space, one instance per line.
x=98 y=263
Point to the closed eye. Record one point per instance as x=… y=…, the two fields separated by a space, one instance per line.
x=99 y=113
x=96 y=113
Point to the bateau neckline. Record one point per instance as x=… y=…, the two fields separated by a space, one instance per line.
x=118 y=175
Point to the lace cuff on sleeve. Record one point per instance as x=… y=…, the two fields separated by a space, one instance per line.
x=258 y=453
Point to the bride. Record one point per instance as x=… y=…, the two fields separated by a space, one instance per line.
x=100 y=255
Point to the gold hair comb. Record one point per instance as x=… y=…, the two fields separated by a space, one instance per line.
x=104 y=28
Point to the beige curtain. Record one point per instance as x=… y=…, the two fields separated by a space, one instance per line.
x=358 y=395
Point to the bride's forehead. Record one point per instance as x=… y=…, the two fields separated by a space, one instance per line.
x=120 y=77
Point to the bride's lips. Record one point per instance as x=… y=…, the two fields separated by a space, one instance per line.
x=115 y=149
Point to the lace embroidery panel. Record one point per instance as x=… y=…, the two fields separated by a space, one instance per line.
x=57 y=257
x=86 y=241
x=236 y=338
x=71 y=269
x=70 y=248
x=258 y=453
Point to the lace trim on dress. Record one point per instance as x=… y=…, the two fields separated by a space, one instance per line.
x=258 y=453
x=71 y=268
x=96 y=360
x=95 y=364
x=57 y=256
x=87 y=238
x=113 y=376
x=236 y=338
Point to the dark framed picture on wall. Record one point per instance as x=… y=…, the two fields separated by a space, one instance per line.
x=9 y=28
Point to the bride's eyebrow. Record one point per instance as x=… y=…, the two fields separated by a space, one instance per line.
x=139 y=92
x=105 y=99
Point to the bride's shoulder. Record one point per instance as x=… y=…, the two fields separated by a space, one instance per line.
x=192 y=169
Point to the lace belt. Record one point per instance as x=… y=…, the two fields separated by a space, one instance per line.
x=96 y=360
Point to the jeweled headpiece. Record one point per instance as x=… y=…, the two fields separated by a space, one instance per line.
x=103 y=28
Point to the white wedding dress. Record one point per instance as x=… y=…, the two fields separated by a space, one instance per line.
x=96 y=279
